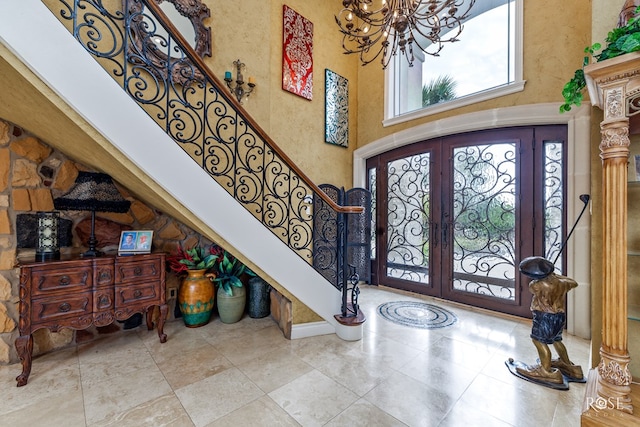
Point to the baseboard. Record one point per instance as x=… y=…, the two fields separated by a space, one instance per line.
x=311 y=329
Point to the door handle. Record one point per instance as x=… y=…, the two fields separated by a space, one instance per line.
x=445 y=229
x=445 y=233
x=435 y=234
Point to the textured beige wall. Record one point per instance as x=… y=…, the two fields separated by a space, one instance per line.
x=251 y=30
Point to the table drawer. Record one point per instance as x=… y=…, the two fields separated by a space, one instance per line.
x=47 y=281
x=61 y=307
x=139 y=294
x=147 y=270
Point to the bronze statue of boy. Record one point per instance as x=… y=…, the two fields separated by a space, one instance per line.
x=548 y=307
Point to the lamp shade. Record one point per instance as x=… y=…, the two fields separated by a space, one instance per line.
x=93 y=191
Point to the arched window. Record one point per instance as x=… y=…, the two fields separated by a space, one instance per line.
x=484 y=64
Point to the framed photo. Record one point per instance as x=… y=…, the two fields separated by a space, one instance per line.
x=637 y=168
x=135 y=242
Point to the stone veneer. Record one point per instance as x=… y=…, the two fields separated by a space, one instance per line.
x=32 y=174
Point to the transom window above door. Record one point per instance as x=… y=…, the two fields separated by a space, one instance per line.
x=485 y=63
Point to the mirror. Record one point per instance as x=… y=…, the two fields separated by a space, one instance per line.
x=150 y=38
x=181 y=22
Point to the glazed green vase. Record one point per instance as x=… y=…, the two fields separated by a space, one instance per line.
x=231 y=307
x=196 y=298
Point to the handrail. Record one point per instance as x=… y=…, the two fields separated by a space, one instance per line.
x=195 y=58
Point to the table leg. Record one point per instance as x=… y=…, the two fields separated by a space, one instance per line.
x=24 y=347
x=161 y=319
x=150 y=318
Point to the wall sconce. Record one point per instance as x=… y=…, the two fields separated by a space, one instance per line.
x=47 y=246
x=238 y=87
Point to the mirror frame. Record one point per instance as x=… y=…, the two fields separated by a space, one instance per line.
x=196 y=12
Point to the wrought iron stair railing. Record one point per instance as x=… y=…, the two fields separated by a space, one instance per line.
x=164 y=75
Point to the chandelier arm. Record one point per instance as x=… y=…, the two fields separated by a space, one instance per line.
x=452 y=33
x=398 y=25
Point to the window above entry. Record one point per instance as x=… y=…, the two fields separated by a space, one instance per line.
x=485 y=63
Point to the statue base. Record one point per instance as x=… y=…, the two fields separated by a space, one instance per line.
x=564 y=385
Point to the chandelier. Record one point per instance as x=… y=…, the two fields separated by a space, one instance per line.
x=372 y=28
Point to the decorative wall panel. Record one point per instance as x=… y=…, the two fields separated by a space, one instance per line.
x=297 y=54
x=336 y=109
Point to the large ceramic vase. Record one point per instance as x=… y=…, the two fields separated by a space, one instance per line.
x=196 y=297
x=231 y=307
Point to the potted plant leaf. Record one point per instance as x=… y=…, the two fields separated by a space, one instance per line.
x=231 y=295
x=620 y=40
x=196 y=295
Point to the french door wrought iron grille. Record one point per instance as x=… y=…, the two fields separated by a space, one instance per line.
x=454 y=216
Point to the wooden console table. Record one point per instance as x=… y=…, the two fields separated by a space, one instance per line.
x=79 y=292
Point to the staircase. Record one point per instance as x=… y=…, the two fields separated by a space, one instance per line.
x=115 y=135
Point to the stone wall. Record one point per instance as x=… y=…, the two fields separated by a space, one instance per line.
x=32 y=174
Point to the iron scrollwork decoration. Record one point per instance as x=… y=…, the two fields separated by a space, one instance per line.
x=152 y=45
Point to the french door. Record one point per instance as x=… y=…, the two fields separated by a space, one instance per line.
x=455 y=215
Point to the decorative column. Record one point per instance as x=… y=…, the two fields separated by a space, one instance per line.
x=614 y=378
x=610 y=83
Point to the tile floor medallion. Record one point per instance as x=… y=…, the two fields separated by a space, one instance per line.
x=417 y=314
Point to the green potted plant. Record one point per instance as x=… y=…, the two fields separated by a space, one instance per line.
x=231 y=295
x=621 y=40
x=196 y=295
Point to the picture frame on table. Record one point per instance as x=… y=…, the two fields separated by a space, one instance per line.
x=135 y=242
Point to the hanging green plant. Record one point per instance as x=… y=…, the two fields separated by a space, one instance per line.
x=621 y=40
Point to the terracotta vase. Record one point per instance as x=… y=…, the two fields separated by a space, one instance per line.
x=231 y=307
x=196 y=297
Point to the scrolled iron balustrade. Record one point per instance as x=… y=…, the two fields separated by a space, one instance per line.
x=165 y=76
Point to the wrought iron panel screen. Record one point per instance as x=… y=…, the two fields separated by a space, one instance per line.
x=342 y=239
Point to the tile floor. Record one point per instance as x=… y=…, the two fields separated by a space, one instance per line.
x=247 y=374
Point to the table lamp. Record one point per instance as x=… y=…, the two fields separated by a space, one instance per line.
x=95 y=192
